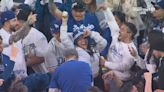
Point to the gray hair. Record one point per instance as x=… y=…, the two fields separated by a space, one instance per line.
x=70 y=51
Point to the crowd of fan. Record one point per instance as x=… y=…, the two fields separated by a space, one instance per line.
x=82 y=46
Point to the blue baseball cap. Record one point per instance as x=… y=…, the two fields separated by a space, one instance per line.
x=161 y=4
x=79 y=6
x=55 y=26
x=7 y=15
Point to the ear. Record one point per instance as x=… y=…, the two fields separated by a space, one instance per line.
x=130 y=35
x=6 y=23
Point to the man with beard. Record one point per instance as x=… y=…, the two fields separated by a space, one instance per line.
x=34 y=46
x=9 y=22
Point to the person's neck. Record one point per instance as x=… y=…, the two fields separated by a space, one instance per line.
x=70 y=58
x=7 y=29
x=58 y=39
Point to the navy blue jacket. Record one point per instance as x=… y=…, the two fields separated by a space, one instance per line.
x=8 y=67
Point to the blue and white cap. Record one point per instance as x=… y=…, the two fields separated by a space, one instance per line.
x=55 y=26
x=77 y=34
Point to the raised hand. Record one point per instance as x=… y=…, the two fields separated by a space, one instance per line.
x=64 y=17
x=32 y=18
x=87 y=32
x=132 y=51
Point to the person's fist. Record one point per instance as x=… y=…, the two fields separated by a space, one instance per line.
x=87 y=33
x=148 y=76
x=32 y=18
x=102 y=61
x=64 y=17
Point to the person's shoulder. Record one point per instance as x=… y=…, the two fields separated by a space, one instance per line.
x=52 y=41
x=81 y=63
x=36 y=31
x=5 y=56
x=90 y=14
x=6 y=59
x=2 y=31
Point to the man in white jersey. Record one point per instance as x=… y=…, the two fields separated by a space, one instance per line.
x=34 y=44
x=119 y=58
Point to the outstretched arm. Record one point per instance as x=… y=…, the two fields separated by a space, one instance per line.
x=148 y=82
x=54 y=10
x=64 y=36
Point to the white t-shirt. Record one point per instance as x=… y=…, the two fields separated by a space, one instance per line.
x=29 y=2
x=5 y=36
x=20 y=68
x=6 y=5
x=54 y=55
x=120 y=60
x=57 y=1
x=37 y=43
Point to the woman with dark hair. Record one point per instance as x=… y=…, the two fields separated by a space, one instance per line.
x=119 y=17
x=93 y=8
x=90 y=5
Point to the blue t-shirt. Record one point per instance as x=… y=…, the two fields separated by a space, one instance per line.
x=72 y=76
x=90 y=21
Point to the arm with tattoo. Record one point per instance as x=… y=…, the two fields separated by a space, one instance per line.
x=20 y=34
x=24 y=30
